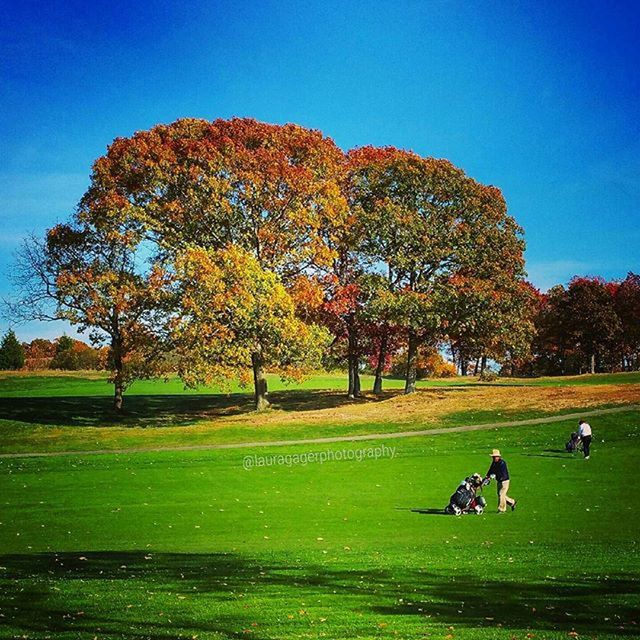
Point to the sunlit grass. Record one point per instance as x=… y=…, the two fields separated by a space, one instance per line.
x=167 y=545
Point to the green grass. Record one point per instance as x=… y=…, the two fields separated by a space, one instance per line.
x=169 y=545
x=73 y=412
x=83 y=384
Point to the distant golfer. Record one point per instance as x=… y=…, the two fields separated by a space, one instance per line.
x=499 y=471
x=584 y=432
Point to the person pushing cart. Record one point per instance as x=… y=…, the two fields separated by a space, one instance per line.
x=500 y=472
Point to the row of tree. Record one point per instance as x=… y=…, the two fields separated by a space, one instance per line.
x=225 y=249
x=589 y=326
x=64 y=353
x=592 y=325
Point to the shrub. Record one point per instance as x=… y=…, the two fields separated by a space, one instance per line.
x=488 y=376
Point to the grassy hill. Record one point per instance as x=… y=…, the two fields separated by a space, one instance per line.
x=53 y=412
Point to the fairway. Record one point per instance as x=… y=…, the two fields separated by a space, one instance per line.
x=192 y=544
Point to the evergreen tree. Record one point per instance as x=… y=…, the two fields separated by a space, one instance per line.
x=65 y=357
x=11 y=352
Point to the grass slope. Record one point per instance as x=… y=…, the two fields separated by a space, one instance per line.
x=192 y=545
x=73 y=411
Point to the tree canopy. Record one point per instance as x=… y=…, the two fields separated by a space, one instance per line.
x=215 y=248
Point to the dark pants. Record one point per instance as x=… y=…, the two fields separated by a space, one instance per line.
x=586 y=443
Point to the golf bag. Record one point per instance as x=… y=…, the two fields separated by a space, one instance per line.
x=574 y=443
x=465 y=498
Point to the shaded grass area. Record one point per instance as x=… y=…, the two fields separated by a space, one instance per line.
x=160 y=410
x=88 y=422
x=171 y=545
x=172 y=586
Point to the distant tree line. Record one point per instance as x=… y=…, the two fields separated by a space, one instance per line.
x=63 y=353
x=591 y=325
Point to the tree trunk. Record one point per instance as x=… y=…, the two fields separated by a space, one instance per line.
x=476 y=367
x=412 y=355
x=118 y=375
x=483 y=364
x=259 y=382
x=357 y=389
x=464 y=363
x=382 y=354
x=351 y=386
x=592 y=364
x=354 y=390
x=118 y=395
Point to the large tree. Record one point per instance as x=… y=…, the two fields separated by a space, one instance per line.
x=592 y=319
x=425 y=222
x=235 y=316
x=271 y=190
x=93 y=277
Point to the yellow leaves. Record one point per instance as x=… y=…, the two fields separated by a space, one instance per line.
x=230 y=308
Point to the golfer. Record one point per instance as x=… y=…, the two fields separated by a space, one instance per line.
x=499 y=471
x=584 y=431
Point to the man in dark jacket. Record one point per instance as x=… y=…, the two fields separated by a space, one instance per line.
x=499 y=471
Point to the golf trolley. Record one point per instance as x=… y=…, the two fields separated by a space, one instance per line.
x=465 y=499
x=574 y=443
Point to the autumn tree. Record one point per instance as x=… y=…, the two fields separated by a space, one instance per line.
x=427 y=221
x=626 y=296
x=382 y=330
x=579 y=328
x=553 y=346
x=39 y=353
x=490 y=319
x=73 y=355
x=369 y=189
x=236 y=316
x=91 y=276
x=270 y=190
x=592 y=319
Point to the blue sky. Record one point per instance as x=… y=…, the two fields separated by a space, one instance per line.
x=538 y=98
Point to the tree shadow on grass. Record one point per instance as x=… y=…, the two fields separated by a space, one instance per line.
x=123 y=593
x=141 y=411
x=171 y=410
x=154 y=410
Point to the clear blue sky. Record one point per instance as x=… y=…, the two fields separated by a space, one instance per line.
x=539 y=98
